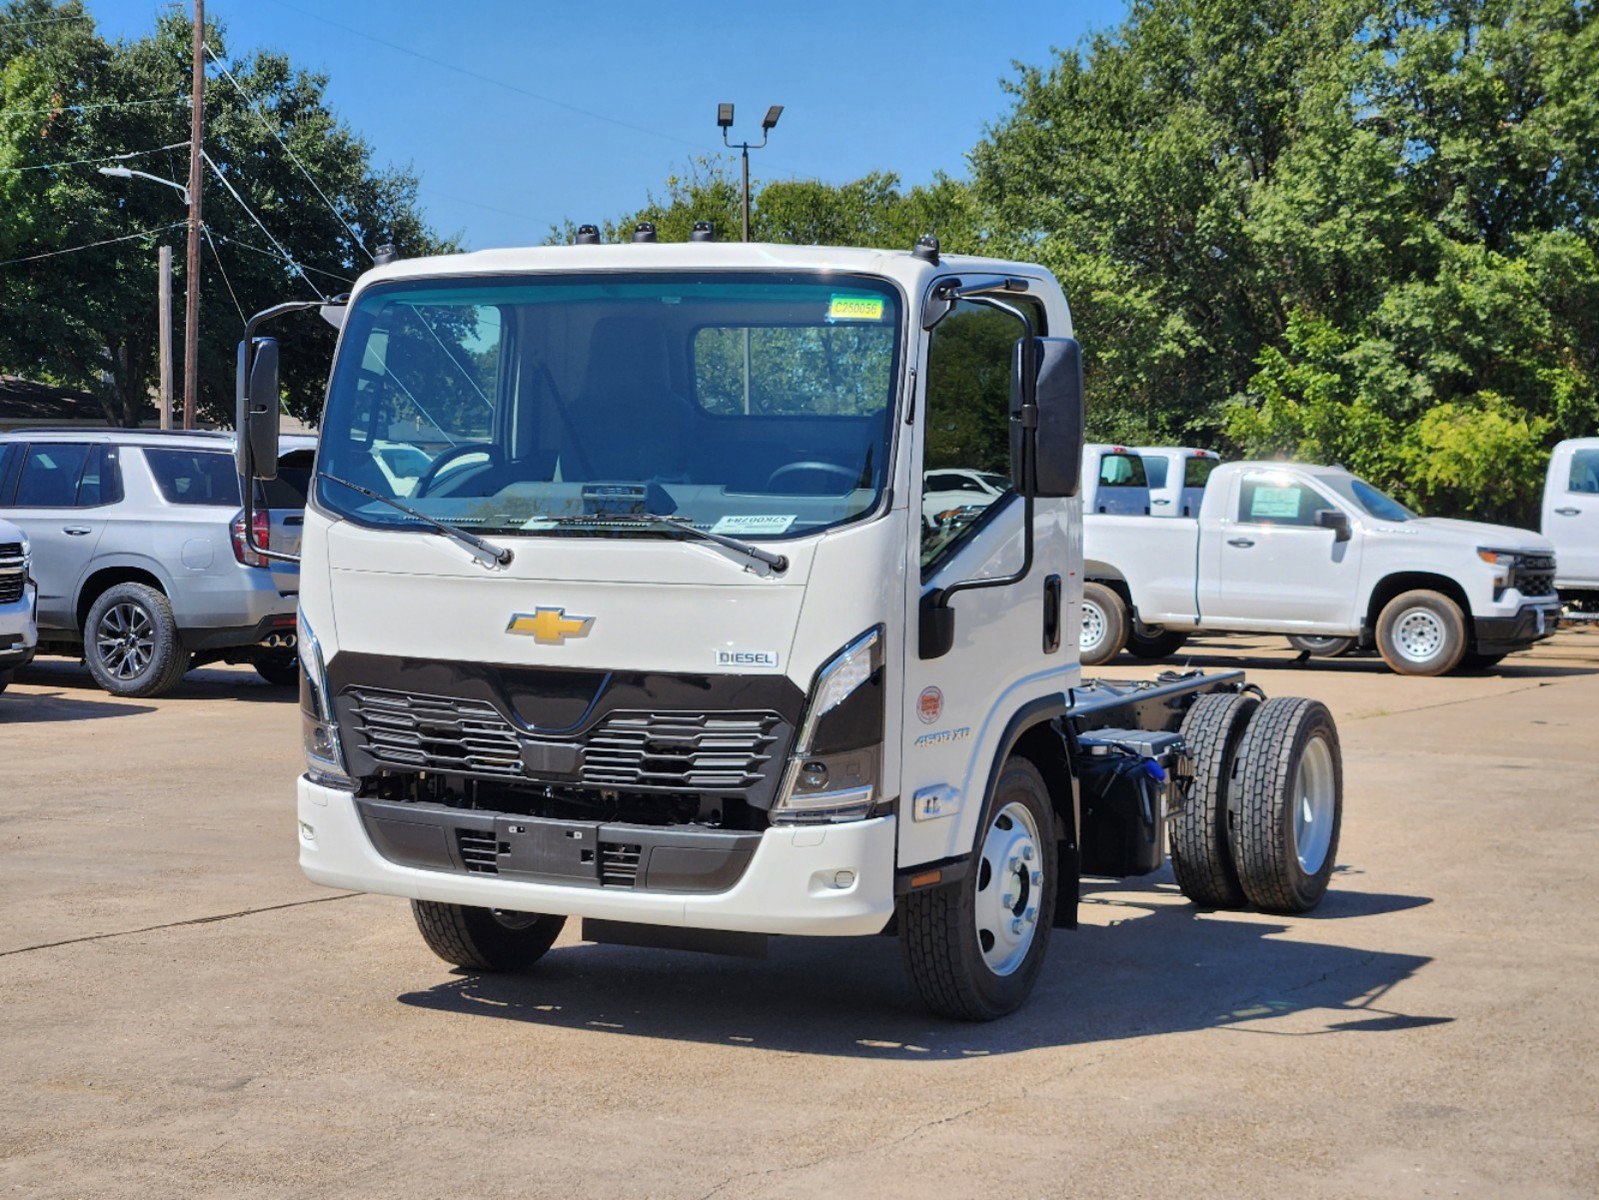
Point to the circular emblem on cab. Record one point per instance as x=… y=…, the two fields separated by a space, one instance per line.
x=930 y=705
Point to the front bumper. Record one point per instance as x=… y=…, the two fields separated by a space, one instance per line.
x=19 y=631
x=1532 y=622
x=791 y=884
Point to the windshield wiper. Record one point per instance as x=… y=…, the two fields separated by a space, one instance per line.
x=681 y=525
x=484 y=550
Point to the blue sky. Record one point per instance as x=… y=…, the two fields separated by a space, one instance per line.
x=616 y=97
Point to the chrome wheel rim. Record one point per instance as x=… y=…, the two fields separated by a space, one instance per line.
x=1320 y=645
x=1010 y=888
x=1093 y=630
x=125 y=640
x=1419 y=635
x=1315 y=794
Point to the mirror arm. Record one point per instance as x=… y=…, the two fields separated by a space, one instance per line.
x=247 y=476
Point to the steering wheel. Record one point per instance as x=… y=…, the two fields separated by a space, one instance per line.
x=848 y=475
x=429 y=477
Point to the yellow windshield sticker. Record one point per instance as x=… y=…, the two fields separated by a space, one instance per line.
x=855 y=308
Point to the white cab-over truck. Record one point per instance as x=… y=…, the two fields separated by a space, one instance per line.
x=1571 y=520
x=664 y=642
x=1321 y=555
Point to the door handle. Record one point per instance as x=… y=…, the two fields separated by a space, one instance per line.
x=1162 y=501
x=1051 y=614
x=1241 y=543
x=1567 y=512
x=75 y=530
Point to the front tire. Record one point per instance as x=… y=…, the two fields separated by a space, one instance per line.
x=131 y=642
x=1201 y=856
x=485 y=939
x=1421 y=633
x=1104 y=628
x=1286 y=806
x=974 y=948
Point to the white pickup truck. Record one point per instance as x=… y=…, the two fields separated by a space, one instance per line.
x=1571 y=519
x=1319 y=553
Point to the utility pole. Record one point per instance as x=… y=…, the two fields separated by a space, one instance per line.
x=164 y=324
x=191 y=305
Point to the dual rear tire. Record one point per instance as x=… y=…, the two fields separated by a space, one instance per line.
x=1264 y=813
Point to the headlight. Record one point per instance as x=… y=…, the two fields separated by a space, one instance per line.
x=1498 y=558
x=324 y=760
x=833 y=771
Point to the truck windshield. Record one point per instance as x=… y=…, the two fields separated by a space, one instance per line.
x=1367 y=498
x=753 y=405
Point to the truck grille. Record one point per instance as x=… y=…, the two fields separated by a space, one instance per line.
x=12 y=577
x=480 y=851
x=691 y=751
x=1534 y=575
x=626 y=750
x=434 y=733
x=619 y=864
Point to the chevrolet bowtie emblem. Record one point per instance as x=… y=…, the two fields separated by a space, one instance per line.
x=550 y=626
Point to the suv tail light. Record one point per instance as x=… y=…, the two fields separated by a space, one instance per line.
x=263 y=531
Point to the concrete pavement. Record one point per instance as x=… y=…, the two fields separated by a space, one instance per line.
x=184 y=1014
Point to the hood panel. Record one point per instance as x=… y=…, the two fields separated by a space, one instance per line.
x=1498 y=537
x=425 y=597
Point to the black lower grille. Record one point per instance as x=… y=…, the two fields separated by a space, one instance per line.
x=1534 y=575
x=619 y=863
x=11 y=587
x=434 y=733
x=480 y=851
x=690 y=751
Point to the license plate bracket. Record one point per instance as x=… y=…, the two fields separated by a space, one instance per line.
x=549 y=849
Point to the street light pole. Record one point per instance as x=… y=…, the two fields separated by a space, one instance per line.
x=724 y=119
x=191 y=306
x=164 y=325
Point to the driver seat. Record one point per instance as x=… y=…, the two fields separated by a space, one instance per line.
x=626 y=422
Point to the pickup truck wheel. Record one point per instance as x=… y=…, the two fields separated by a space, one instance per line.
x=131 y=642
x=1421 y=633
x=280 y=668
x=1152 y=647
x=1104 y=631
x=974 y=948
x=1286 y=804
x=1201 y=858
x=485 y=939
x=1321 y=647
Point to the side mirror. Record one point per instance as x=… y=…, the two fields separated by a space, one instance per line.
x=1051 y=386
x=257 y=448
x=1335 y=519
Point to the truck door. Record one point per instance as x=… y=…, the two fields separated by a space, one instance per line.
x=61 y=498
x=1571 y=514
x=1276 y=568
x=998 y=661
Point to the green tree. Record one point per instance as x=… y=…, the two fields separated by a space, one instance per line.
x=68 y=95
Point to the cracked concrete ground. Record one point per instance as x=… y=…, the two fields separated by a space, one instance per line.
x=181 y=1013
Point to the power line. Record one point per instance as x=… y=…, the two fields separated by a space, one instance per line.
x=43 y=21
x=92 y=245
x=510 y=87
x=206 y=229
x=78 y=162
x=295 y=158
x=79 y=108
x=222 y=237
x=261 y=225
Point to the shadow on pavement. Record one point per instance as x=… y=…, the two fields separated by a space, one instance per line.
x=36 y=708
x=202 y=683
x=1157 y=967
x=1249 y=658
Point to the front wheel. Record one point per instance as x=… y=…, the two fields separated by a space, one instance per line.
x=485 y=939
x=1104 y=630
x=1421 y=633
x=974 y=948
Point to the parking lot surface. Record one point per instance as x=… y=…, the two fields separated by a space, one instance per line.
x=183 y=1014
